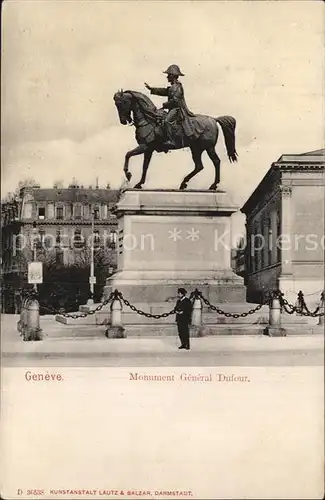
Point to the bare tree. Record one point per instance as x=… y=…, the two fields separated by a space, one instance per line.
x=12 y=196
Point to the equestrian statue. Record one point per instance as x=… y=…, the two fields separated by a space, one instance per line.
x=173 y=126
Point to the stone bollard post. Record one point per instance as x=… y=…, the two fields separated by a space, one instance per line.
x=197 y=312
x=274 y=328
x=321 y=320
x=116 y=329
x=197 y=330
x=32 y=330
x=23 y=316
x=116 y=309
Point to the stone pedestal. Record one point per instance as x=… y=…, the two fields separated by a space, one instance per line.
x=171 y=238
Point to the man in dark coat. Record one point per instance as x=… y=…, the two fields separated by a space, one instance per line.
x=183 y=318
x=176 y=104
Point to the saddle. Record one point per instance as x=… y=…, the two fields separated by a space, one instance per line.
x=176 y=128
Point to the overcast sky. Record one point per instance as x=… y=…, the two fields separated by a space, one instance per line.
x=62 y=61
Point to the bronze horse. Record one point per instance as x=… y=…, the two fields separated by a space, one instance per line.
x=146 y=118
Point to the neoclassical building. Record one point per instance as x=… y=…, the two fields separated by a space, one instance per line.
x=56 y=224
x=285 y=228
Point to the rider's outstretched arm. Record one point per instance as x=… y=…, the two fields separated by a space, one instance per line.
x=159 y=91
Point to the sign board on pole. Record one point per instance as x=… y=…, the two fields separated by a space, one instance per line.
x=35 y=272
x=92 y=280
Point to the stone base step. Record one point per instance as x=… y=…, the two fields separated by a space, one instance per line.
x=171 y=330
x=88 y=332
x=99 y=318
x=211 y=330
x=73 y=331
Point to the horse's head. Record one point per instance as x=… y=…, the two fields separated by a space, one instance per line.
x=123 y=102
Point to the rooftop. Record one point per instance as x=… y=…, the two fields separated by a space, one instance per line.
x=306 y=159
x=75 y=194
x=312 y=160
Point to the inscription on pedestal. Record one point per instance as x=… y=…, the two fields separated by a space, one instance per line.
x=173 y=238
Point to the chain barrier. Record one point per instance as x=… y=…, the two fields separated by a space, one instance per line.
x=78 y=315
x=198 y=294
x=301 y=308
x=305 y=307
x=143 y=313
x=89 y=313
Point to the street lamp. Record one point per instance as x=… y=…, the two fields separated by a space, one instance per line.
x=92 y=278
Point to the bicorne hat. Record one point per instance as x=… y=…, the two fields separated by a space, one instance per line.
x=174 y=70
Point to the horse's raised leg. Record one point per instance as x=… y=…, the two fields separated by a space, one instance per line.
x=196 y=155
x=134 y=152
x=216 y=162
x=146 y=161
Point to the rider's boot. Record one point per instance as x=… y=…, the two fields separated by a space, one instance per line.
x=168 y=142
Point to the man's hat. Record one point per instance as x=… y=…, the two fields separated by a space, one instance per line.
x=174 y=70
x=182 y=291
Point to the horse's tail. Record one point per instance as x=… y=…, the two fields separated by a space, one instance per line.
x=228 y=125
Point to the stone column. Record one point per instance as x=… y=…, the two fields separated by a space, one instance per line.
x=286 y=226
x=285 y=280
x=273 y=228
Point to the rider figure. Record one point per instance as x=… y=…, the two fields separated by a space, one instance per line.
x=176 y=105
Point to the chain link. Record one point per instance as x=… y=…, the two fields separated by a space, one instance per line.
x=143 y=313
x=305 y=307
x=75 y=315
x=198 y=294
x=301 y=309
x=92 y=311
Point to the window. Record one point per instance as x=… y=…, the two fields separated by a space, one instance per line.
x=253 y=251
x=77 y=211
x=41 y=213
x=112 y=238
x=59 y=213
x=96 y=213
x=49 y=242
x=261 y=250
x=86 y=211
x=58 y=236
x=96 y=239
x=59 y=259
x=59 y=250
x=104 y=212
x=96 y=236
x=278 y=238
x=78 y=239
x=248 y=262
x=41 y=238
x=269 y=242
x=260 y=246
x=264 y=242
x=50 y=211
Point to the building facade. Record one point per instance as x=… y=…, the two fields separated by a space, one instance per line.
x=238 y=259
x=57 y=226
x=285 y=228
